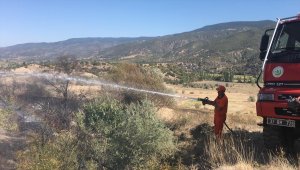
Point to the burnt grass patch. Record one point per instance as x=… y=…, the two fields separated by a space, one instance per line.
x=194 y=150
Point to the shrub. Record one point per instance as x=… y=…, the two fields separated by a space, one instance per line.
x=135 y=137
x=59 y=153
x=251 y=99
x=205 y=86
x=66 y=64
x=6 y=117
x=107 y=135
x=141 y=78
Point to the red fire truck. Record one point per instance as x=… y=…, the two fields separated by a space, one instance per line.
x=280 y=51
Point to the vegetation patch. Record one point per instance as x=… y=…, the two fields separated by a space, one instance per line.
x=8 y=120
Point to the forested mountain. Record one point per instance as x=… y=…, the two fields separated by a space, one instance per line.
x=232 y=45
x=77 y=47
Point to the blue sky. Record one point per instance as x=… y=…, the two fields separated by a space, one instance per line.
x=23 y=21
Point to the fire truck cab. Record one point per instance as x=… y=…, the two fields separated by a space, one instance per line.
x=280 y=51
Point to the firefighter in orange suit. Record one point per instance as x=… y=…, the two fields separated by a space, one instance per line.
x=221 y=105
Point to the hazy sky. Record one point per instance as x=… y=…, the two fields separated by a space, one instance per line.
x=24 y=21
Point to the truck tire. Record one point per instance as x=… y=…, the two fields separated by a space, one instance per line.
x=273 y=137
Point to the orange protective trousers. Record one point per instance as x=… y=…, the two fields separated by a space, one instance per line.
x=218 y=121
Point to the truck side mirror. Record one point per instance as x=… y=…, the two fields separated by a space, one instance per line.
x=263 y=46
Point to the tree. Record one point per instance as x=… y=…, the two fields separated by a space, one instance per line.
x=61 y=111
x=135 y=76
x=66 y=64
x=228 y=76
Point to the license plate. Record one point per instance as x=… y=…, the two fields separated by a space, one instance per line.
x=281 y=122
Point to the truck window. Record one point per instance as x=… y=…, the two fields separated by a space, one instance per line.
x=287 y=38
x=282 y=41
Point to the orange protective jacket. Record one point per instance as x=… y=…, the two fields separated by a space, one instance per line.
x=220 y=113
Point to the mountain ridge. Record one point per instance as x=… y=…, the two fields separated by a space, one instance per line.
x=73 y=46
x=231 y=45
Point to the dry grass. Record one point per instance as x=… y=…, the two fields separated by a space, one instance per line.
x=230 y=151
x=278 y=163
x=233 y=153
x=239 y=165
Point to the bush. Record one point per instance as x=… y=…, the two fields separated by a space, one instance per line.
x=59 y=153
x=251 y=99
x=205 y=86
x=135 y=137
x=6 y=117
x=135 y=76
x=107 y=135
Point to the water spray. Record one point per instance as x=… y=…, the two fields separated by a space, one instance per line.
x=102 y=83
x=92 y=82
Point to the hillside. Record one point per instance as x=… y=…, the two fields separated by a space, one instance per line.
x=219 y=37
x=78 y=47
x=232 y=45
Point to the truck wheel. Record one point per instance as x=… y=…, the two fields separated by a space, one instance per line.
x=273 y=137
